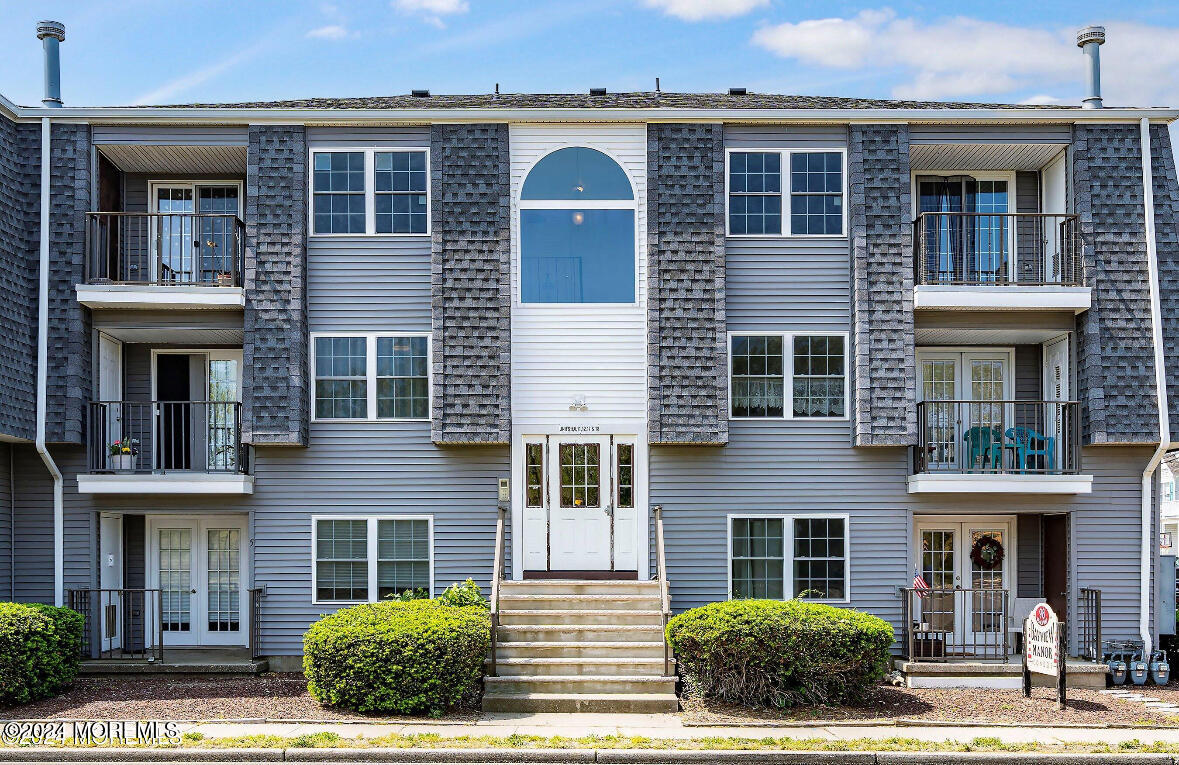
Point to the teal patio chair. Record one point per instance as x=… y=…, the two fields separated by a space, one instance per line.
x=984 y=444
x=1029 y=445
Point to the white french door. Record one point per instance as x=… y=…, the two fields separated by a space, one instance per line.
x=580 y=496
x=200 y=567
x=188 y=249
x=970 y=610
x=965 y=411
x=110 y=578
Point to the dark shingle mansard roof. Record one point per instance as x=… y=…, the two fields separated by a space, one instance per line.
x=647 y=100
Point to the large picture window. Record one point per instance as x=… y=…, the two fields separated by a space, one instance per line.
x=809 y=383
x=371 y=376
x=370 y=191
x=810 y=199
x=368 y=558
x=779 y=557
x=577 y=230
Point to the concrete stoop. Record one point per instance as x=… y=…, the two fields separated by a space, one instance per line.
x=578 y=646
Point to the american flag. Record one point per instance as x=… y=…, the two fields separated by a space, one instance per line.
x=920 y=584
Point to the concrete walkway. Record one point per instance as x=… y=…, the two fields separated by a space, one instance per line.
x=672 y=727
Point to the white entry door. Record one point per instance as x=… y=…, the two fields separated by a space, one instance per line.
x=199 y=565
x=580 y=510
x=970 y=607
x=110 y=580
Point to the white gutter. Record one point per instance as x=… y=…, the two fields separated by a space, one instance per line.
x=42 y=377
x=1160 y=382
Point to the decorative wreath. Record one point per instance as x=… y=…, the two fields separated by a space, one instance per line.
x=987 y=553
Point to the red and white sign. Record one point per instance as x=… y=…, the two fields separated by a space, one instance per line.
x=1041 y=641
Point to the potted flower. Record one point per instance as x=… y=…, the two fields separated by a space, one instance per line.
x=121 y=454
x=223 y=279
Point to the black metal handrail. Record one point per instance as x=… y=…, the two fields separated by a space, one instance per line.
x=997 y=249
x=166 y=436
x=1089 y=624
x=943 y=624
x=1000 y=436
x=255 y=595
x=120 y=623
x=198 y=249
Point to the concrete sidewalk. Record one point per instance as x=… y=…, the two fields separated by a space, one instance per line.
x=672 y=727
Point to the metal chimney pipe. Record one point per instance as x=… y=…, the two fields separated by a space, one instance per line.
x=51 y=34
x=1089 y=40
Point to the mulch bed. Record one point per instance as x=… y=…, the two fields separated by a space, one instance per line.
x=959 y=705
x=188 y=697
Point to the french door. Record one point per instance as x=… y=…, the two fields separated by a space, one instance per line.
x=199 y=565
x=968 y=236
x=971 y=595
x=579 y=496
x=189 y=248
x=967 y=397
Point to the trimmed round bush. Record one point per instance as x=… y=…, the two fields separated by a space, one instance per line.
x=780 y=653
x=39 y=650
x=402 y=657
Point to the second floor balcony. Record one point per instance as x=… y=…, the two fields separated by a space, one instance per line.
x=166 y=447
x=1000 y=446
x=998 y=260
x=163 y=260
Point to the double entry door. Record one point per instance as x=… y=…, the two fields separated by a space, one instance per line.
x=198 y=248
x=579 y=500
x=967 y=397
x=200 y=567
x=970 y=597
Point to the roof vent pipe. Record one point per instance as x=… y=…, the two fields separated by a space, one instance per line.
x=1089 y=40
x=51 y=34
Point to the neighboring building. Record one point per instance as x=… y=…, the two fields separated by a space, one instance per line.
x=839 y=341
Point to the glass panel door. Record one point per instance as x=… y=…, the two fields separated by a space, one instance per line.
x=987 y=579
x=217 y=234
x=175 y=561
x=224 y=579
x=939 y=568
x=939 y=388
x=174 y=258
x=224 y=376
x=581 y=513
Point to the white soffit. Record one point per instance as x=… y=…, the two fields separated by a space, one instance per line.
x=146 y=158
x=961 y=336
x=193 y=336
x=976 y=156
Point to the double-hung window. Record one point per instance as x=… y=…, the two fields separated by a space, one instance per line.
x=779 y=557
x=790 y=376
x=370 y=191
x=786 y=192
x=369 y=558
x=381 y=376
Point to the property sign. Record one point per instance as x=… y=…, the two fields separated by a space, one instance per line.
x=1043 y=650
x=1041 y=641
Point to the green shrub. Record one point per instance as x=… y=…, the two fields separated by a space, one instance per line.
x=411 y=657
x=775 y=653
x=465 y=594
x=39 y=650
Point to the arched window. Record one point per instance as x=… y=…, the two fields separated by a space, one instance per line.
x=577 y=230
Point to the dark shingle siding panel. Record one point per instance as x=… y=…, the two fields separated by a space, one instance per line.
x=687 y=402
x=69 y=379
x=470 y=284
x=1166 y=222
x=1116 y=361
x=275 y=385
x=883 y=372
x=20 y=157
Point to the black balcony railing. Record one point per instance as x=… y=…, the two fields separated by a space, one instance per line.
x=956 y=624
x=1088 y=625
x=166 y=436
x=120 y=623
x=997 y=249
x=200 y=249
x=1035 y=437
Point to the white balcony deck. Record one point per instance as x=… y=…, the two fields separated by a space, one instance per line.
x=964 y=297
x=999 y=483
x=180 y=482
x=160 y=297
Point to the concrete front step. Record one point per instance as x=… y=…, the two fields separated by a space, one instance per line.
x=558 y=649
x=574 y=633
x=575 y=616
x=516 y=600
x=617 y=703
x=646 y=667
x=581 y=587
x=583 y=684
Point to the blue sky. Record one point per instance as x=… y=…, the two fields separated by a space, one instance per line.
x=140 y=51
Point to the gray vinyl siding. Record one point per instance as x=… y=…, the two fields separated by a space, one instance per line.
x=386 y=280
x=978 y=134
x=171 y=135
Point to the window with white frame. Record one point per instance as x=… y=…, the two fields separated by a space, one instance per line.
x=780 y=557
x=811 y=199
x=810 y=383
x=369 y=558
x=370 y=191
x=373 y=376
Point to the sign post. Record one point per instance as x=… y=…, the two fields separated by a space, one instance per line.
x=1044 y=650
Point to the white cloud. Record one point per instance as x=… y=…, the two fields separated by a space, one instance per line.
x=963 y=57
x=330 y=32
x=432 y=10
x=698 y=10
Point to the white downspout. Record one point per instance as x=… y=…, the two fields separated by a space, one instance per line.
x=43 y=376
x=1160 y=382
